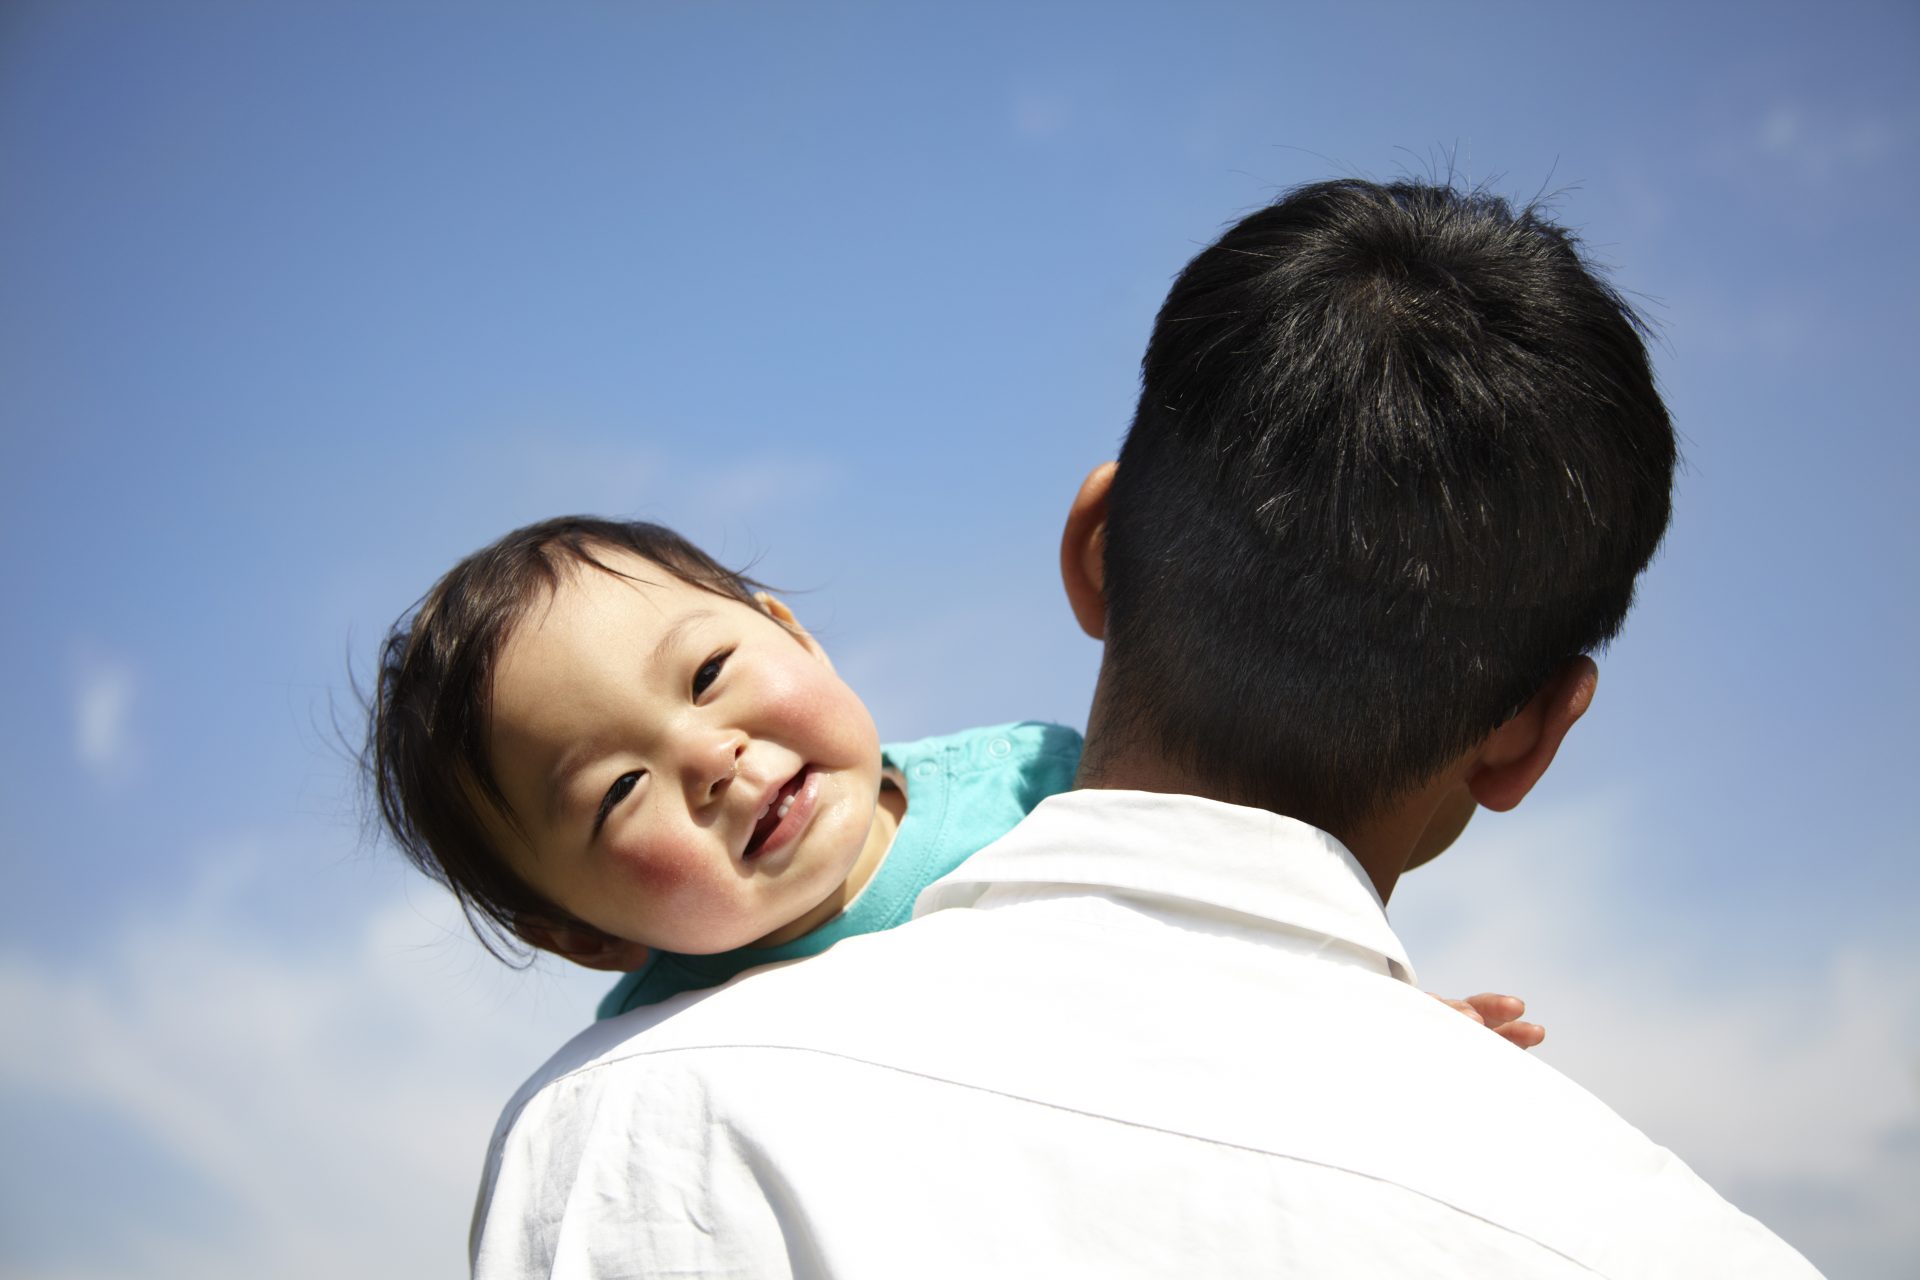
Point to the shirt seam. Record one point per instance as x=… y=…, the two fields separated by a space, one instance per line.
x=1076 y=1111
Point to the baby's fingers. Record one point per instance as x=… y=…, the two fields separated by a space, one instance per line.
x=1497 y=1010
x=1501 y=1015
x=1524 y=1034
x=1459 y=1006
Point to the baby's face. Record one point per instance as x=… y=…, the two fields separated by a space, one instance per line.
x=687 y=772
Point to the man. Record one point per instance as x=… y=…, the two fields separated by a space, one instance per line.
x=1397 y=465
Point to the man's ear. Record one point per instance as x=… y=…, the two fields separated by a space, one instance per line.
x=1513 y=757
x=776 y=608
x=1083 y=551
x=583 y=946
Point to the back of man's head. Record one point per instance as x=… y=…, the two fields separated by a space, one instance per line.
x=1398 y=456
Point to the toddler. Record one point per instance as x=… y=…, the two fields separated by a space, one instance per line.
x=609 y=747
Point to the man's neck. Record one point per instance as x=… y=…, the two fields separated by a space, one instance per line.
x=1382 y=845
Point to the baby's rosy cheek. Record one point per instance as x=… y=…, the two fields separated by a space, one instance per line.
x=784 y=693
x=663 y=874
x=678 y=905
x=806 y=708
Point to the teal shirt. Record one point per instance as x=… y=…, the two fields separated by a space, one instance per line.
x=964 y=791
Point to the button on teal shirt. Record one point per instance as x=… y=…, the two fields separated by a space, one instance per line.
x=964 y=791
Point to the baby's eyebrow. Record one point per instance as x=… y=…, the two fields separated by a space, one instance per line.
x=585 y=751
x=674 y=633
x=571 y=762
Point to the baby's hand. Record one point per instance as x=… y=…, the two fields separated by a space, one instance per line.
x=1500 y=1015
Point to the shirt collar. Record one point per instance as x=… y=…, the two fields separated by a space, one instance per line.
x=1185 y=849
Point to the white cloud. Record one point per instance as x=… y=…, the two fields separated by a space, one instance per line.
x=556 y=469
x=103 y=703
x=543 y=470
x=750 y=486
x=1746 y=329
x=1645 y=201
x=1780 y=129
x=1041 y=115
x=336 y=1096
x=337 y=1101
x=1797 y=1099
x=1044 y=673
x=1818 y=143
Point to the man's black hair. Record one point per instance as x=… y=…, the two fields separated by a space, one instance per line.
x=1398 y=455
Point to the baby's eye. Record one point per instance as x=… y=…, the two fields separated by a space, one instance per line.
x=623 y=784
x=709 y=672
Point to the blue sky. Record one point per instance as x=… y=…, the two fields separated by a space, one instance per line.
x=301 y=302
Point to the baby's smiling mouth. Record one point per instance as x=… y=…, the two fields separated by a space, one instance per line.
x=773 y=811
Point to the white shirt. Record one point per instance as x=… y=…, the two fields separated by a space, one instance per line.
x=1141 y=1035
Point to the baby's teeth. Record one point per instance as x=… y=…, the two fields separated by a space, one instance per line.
x=785 y=805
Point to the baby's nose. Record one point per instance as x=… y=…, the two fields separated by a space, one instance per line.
x=719 y=767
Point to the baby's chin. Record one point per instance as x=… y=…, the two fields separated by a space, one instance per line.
x=757 y=930
x=818 y=914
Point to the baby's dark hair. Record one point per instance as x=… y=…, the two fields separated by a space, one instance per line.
x=1398 y=455
x=426 y=759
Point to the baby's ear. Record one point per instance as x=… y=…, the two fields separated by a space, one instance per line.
x=776 y=608
x=583 y=945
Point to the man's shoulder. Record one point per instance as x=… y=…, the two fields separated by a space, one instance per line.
x=1144 y=1052
x=798 y=1001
